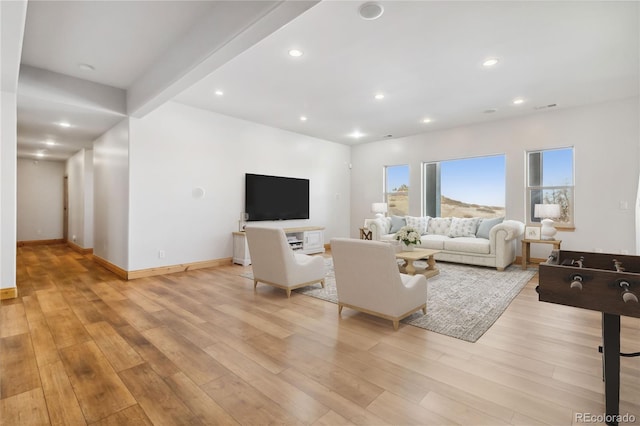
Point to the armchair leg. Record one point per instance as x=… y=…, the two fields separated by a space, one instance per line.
x=396 y=323
x=322 y=282
x=255 y=284
x=288 y=293
x=424 y=310
x=340 y=309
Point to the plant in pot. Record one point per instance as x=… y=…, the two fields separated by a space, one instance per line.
x=409 y=238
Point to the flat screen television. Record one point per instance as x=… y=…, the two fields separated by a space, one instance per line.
x=276 y=197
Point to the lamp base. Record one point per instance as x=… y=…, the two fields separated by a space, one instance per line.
x=547 y=231
x=379 y=215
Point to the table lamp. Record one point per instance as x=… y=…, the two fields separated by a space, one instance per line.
x=379 y=209
x=547 y=212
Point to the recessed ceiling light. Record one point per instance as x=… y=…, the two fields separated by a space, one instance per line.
x=219 y=92
x=295 y=53
x=39 y=154
x=489 y=62
x=50 y=143
x=426 y=120
x=303 y=118
x=86 y=67
x=64 y=124
x=518 y=101
x=379 y=96
x=356 y=134
x=370 y=10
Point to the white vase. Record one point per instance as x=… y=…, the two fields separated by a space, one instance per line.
x=407 y=247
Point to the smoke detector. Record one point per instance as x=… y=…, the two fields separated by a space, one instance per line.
x=370 y=10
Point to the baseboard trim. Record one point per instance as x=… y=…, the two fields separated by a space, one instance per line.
x=79 y=249
x=40 y=242
x=8 y=293
x=532 y=262
x=111 y=267
x=172 y=269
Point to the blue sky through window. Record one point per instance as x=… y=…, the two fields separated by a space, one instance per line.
x=557 y=167
x=396 y=176
x=478 y=180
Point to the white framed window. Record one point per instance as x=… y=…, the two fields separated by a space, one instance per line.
x=466 y=187
x=550 y=180
x=396 y=189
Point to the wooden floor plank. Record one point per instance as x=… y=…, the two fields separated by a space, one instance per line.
x=27 y=408
x=149 y=389
x=202 y=405
x=98 y=388
x=197 y=364
x=58 y=392
x=18 y=367
x=119 y=353
x=13 y=320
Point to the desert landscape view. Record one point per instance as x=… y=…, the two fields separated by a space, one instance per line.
x=399 y=205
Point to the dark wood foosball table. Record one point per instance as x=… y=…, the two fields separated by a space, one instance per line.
x=601 y=282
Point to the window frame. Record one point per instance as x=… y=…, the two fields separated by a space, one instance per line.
x=529 y=189
x=436 y=184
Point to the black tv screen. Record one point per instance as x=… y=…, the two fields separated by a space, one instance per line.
x=276 y=197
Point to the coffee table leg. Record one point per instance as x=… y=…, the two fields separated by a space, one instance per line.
x=411 y=270
x=431 y=262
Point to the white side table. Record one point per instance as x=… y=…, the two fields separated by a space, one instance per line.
x=241 y=254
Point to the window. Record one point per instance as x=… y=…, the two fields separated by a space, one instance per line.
x=469 y=187
x=396 y=189
x=550 y=181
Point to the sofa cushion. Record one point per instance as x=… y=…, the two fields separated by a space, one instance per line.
x=463 y=227
x=485 y=226
x=418 y=223
x=468 y=245
x=439 y=225
x=433 y=241
x=397 y=222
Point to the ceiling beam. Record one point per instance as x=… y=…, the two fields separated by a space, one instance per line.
x=230 y=29
x=13 y=15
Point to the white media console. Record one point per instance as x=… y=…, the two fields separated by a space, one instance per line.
x=306 y=240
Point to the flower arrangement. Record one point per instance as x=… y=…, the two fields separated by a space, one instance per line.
x=408 y=235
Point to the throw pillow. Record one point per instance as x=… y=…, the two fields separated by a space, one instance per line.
x=485 y=226
x=418 y=223
x=397 y=222
x=439 y=225
x=463 y=227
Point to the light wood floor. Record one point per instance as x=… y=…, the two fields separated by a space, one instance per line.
x=80 y=346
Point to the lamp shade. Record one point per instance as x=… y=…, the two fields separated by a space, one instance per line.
x=379 y=207
x=547 y=211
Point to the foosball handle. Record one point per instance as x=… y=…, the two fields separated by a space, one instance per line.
x=627 y=296
x=576 y=282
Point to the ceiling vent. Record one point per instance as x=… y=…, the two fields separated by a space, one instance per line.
x=546 y=106
x=371 y=10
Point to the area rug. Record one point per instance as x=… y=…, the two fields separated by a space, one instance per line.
x=462 y=301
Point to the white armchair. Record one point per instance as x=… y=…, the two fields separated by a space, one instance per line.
x=368 y=280
x=274 y=262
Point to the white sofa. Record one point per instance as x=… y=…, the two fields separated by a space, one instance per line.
x=458 y=239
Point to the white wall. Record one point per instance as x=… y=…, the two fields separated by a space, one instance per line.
x=605 y=137
x=8 y=152
x=111 y=195
x=88 y=199
x=178 y=148
x=79 y=169
x=75 y=173
x=40 y=199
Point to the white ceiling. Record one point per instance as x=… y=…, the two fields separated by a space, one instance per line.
x=424 y=56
